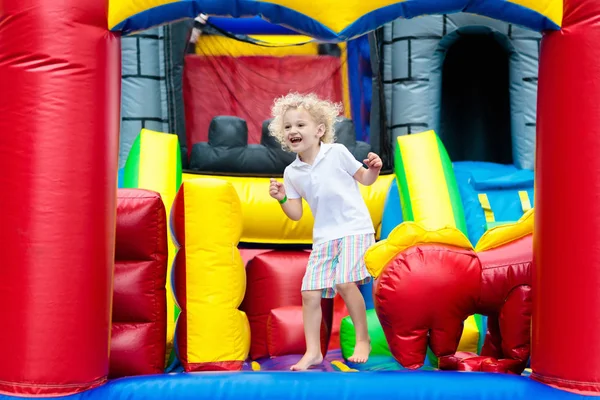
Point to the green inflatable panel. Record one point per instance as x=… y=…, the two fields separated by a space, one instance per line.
x=379 y=344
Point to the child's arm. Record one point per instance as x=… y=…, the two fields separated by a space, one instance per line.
x=291 y=207
x=368 y=177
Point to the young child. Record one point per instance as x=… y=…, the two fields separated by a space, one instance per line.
x=325 y=174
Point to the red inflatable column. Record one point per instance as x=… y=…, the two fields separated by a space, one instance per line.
x=59 y=121
x=566 y=292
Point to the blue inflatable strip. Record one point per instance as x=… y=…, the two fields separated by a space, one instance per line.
x=400 y=385
x=120 y=177
x=354 y=85
x=474 y=215
x=367 y=291
x=499 y=9
x=366 y=82
x=406 y=9
x=243 y=8
x=250 y=26
x=392 y=211
x=359 y=77
x=484 y=168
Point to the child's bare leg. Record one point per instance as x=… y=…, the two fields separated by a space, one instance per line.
x=356 y=307
x=311 y=314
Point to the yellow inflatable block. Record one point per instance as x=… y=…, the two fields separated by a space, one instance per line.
x=551 y=9
x=503 y=234
x=264 y=222
x=208 y=225
x=409 y=234
x=120 y=10
x=215 y=325
x=469 y=341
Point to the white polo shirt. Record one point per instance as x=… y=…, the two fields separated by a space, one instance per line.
x=332 y=193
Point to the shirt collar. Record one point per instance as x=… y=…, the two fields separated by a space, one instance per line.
x=324 y=149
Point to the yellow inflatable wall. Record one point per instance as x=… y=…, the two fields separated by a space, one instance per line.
x=264 y=222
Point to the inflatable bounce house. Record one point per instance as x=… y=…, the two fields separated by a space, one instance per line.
x=155 y=264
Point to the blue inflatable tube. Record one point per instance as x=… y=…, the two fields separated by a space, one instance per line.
x=250 y=26
x=403 y=385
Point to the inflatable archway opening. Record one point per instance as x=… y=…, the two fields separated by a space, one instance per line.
x=481 y=59
x=88 y=106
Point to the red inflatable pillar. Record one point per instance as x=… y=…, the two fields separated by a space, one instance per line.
x=59 y=121
x=566 y=274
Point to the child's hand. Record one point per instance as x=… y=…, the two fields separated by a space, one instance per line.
x=373 y=161
x=276 y=190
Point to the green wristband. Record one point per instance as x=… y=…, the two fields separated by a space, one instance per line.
x=283 y=200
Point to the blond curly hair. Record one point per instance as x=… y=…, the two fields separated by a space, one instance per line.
x=322 y=111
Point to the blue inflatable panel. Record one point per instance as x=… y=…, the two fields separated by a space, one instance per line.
x=250 y=26
x=506 y=204
x=474 y=215
x=392 y=210
x=360 y=78
x=400 y=385
x=367 y=291
x=500 y=183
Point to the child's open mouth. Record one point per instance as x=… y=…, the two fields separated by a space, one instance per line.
x=296 y=139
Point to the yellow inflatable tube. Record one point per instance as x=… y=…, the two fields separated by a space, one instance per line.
x=210 y=278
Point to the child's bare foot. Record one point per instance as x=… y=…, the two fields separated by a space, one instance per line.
x=361 y=352
x=307 y=361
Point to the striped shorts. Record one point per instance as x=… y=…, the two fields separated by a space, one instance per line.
x=337 y=261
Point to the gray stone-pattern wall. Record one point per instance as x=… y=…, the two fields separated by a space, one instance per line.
x=151 y=84
x=413 y=53
x=143 y=90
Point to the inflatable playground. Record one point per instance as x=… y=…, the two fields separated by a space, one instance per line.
x=144 y=258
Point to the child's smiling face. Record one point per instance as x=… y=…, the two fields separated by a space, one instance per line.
x=301 y=131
